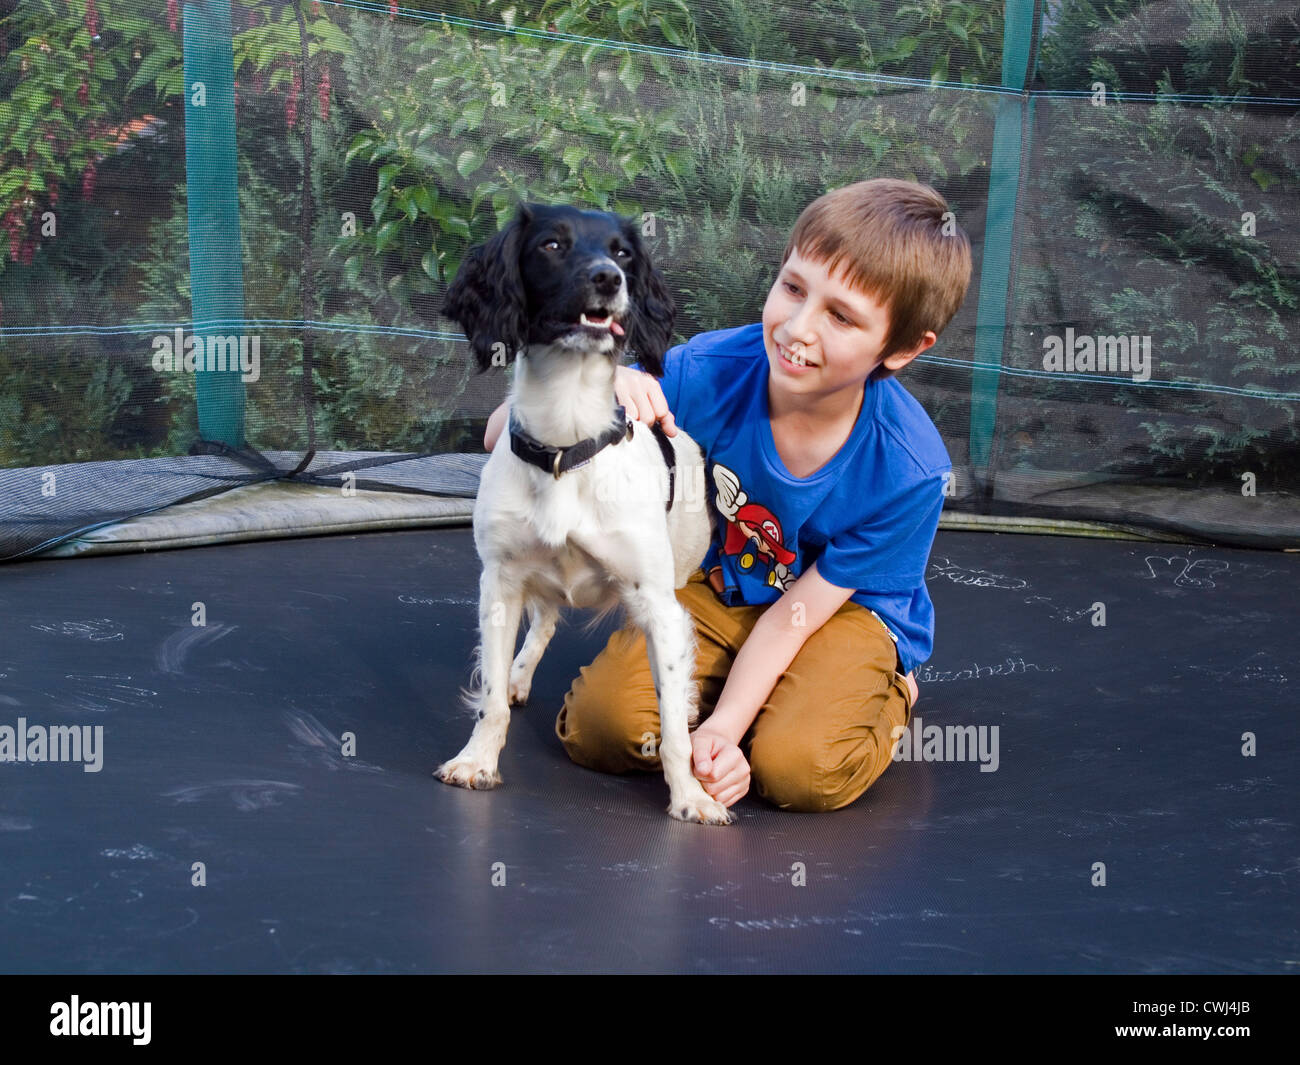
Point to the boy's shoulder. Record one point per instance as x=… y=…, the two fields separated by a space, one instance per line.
x=743 y=342
x=901 y=415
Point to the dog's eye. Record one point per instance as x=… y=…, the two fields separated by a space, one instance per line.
x=551 y=245
x=623 y=252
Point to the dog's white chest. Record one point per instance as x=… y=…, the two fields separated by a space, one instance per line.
x=532 y=530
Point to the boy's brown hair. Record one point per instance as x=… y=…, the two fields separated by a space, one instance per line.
x=891 y=240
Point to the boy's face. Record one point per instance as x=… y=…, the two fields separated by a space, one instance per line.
x=838 y=330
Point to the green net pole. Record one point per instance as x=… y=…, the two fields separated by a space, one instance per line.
x=216 y=270
x=1013 y=122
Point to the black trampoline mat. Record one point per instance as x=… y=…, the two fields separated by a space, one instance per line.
x=1119 y=744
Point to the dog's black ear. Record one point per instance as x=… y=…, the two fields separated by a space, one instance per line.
x=487 y=297
x=650 y=332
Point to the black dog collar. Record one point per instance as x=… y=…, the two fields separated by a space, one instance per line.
x=558 y=460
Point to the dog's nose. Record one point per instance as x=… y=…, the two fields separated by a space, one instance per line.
x=605 y=278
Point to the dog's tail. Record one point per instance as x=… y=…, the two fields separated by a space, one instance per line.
x=614 y=606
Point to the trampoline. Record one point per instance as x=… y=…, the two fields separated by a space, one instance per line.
x=252 y=592
x=1119 y=744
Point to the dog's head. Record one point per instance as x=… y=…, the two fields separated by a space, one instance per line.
x=579 y=280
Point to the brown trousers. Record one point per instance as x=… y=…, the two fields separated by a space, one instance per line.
x=824 y=735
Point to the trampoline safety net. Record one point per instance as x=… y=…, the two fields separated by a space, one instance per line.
x=292 y=185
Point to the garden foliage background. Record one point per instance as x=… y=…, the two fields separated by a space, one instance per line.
x=1169 y=210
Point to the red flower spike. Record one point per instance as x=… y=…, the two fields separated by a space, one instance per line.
x=323 y=94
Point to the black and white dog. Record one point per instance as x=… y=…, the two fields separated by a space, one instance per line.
x=577 y=504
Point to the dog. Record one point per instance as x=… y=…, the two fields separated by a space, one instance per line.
x=569 y=508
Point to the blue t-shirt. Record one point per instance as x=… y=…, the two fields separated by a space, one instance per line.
x=867 y=518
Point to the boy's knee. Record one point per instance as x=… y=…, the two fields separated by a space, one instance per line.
x=602 y=728
x=806 y=774
x=605 y=742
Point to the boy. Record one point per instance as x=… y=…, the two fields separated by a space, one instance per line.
x=811 y=612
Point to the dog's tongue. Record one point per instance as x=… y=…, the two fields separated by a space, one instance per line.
x=615 y=328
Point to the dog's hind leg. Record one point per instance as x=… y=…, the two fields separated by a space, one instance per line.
x=500 y=609
x=670 y=645
x=542 y=616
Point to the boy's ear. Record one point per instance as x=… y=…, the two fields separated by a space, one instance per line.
x=650 y=324
x=900 y=359
x=486 y=299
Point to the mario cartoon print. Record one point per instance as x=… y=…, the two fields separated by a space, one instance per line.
x=753 y=534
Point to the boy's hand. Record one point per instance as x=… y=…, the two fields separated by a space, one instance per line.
x=642 y=398
x=719 y=765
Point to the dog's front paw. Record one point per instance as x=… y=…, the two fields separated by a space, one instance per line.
x=466 y=774
x=520 y=686
x=702 y=811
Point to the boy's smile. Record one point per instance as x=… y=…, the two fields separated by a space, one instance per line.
x=837 y=331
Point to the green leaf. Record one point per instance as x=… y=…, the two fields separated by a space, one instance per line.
x=406 y=203
x=632 y=164
x=334 y=38
x=388 y=232
x=11 y=183
x=955 y=25
x=131 y=27
x=629 y=74
x=670 y=32
x=150 y=67
x=939 y=72
x=468 y=161
x=171 y=82
x=904 y=47
x=362 y=141
x=473 y=112
x=424 y=198
x=386 y=175
x=429 y=263
x=573 y=156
